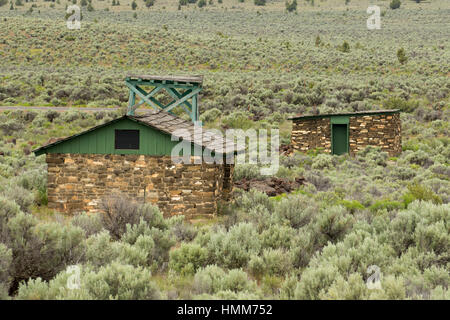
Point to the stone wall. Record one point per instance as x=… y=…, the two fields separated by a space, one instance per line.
x=382 y=130
x=78 y=182
x=311 y=134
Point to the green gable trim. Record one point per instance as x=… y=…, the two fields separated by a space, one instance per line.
x=348 y=114
x=100 y=140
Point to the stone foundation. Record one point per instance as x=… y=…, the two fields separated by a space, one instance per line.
x=78 y=182
x=381 y=130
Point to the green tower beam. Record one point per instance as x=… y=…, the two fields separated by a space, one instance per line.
x=191 y=86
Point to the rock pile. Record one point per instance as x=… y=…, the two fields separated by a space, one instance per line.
x=271 y=186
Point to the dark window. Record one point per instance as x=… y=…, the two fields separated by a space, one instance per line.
x=127 y=139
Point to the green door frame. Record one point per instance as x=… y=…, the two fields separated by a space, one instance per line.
x=340 y=120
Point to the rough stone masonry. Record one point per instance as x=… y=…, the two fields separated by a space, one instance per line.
x=78 y=182
x=381 y=130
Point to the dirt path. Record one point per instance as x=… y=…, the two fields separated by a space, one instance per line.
x=86 y=109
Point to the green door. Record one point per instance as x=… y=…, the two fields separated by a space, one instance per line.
x=340 y=138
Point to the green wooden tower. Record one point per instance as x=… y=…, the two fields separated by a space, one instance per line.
x=190 y=87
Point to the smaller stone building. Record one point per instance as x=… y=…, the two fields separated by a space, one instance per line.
x=132 y=155
x=348 y=132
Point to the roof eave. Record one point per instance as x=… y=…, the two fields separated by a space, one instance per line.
x=349 y=114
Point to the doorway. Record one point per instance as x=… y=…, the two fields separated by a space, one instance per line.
x=339 y=142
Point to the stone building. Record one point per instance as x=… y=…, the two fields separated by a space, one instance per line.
x=348 y=132
x=132 y=155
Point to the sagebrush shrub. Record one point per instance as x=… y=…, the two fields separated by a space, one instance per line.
x=41 y=250
x=277 y=236
x=90 y=223
x=114 y=281
x=237 y=281
x=315 y=281
x=5 y=265
x=234 y=248
x=277 y=262
x=119 y=211
x=182 y=230
x=334 y=222
x=188 y=258
x=296 y=210
x=162 y=238
x=208 y=280
x=21 y=196
x=323 y=161
x=353 y=288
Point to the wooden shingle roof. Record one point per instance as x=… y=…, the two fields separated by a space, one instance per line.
x=179 y=79
x=172 y=125
x=168 y=124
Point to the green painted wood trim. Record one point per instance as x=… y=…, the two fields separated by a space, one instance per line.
x=180 y=99
x=332 y=136
x=350 y=114
x=340 y=120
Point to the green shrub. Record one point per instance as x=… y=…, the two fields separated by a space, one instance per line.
x=260 y=2
x=287 y=290
x=296 y=210
x=100 y=250
x=334 y=223
x=8 y=210
x=41 y=250
x=323 y=161
x=211 y=115
x=162 y=238
x=5 y=265
x=277 y=236
x=114 y=281
x=388 y=205
x=276 y=262
x=417 y=191
x=345 y=47
x=401 y=55
x=315 y=281
x=238 y=119
x=237 y=281
x=234 y=248
x=351 y=205
x=395 y=4
x=208 y=280
x=402 y=104
x=182 y=230
x=303 y=248
x=256 y=266
x=354 y=288
x=246 y=171
x=21 y=196
x=188 y=258
x=119 y=211
x=291 y=6
x=90 y=223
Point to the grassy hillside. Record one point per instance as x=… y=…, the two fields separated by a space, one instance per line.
x=260 y=64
